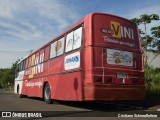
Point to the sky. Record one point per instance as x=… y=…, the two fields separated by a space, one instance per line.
x=26 y=25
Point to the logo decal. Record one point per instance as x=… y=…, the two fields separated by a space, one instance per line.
x=119 y=31
x=118 y=57
x=72 y=61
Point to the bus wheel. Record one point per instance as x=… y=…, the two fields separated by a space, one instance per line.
x=18 y=91
x=47 y=94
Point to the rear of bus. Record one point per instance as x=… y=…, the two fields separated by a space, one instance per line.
x=113 y=56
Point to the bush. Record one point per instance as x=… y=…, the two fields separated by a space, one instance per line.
x=7 y=75
x=152 y=78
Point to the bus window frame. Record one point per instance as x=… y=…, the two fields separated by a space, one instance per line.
x=73 y=30
x=24 y=64
x=38 y=52
x=55 y=41
x=48 y=57
x=41 y=61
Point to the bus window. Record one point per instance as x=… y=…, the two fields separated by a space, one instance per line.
x=17 y=70
x=21 y=65
x=57 y=48
x=46 y=53
x=37 y=58
x=24 y=64
x=60 y=47
x=33 y=60
x=74 y=40
x=41 y=57
x=27 y=60
x=77 y=38
x=69 y=42
x=53 y=51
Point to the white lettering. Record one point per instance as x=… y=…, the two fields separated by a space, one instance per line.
x=132 y=34
x=41 y=57
x=122 y=31
x=127 y=33
x=106 y=39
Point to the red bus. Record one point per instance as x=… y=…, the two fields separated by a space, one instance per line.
x=98 y=58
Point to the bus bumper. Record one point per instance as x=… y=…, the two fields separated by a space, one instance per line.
x=114 y=92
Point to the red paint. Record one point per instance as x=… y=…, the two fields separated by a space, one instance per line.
x=94 y=79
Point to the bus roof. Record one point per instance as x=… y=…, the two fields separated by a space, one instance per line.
x=75 y=25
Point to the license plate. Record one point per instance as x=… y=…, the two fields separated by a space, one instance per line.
x=121 y=75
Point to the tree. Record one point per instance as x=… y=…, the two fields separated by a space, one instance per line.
x=156 y=42
x=145 y=19
x=7 y=76
x=156 y=35
x=148 y=42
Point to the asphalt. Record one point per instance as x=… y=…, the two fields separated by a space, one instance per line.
x=10 y=102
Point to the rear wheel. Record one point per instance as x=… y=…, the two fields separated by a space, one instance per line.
x=47 y=94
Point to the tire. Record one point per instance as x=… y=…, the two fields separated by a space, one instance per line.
x=47 y=94
x=18 y=91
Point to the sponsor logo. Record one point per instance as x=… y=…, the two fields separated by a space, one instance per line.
x=119 y=31
x=37 y=63
x=119 y=57
x=72 y=61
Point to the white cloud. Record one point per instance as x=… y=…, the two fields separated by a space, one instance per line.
x=1 y=44
x=145 y=10
x=53 y=10
x=38 y=17
x=137 y=12
x=26 y=25
x=7 y=8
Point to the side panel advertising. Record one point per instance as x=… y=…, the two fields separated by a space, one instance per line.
x=118 y=57
x=72 y=61
x=111 y=31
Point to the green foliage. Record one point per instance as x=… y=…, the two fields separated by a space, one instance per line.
x=146 y=19
x=149 y=42
x=152 y=78
x=7 y=76
x=156 y=31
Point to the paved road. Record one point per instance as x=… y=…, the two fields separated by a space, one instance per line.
x=11 y=102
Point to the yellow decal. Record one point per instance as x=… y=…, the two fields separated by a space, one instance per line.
x=36 y=65
x=58 y=46
x=116 y=28
x=33 y=60
x=31 y=75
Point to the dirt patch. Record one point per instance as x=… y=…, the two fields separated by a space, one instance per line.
x=6 y=90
